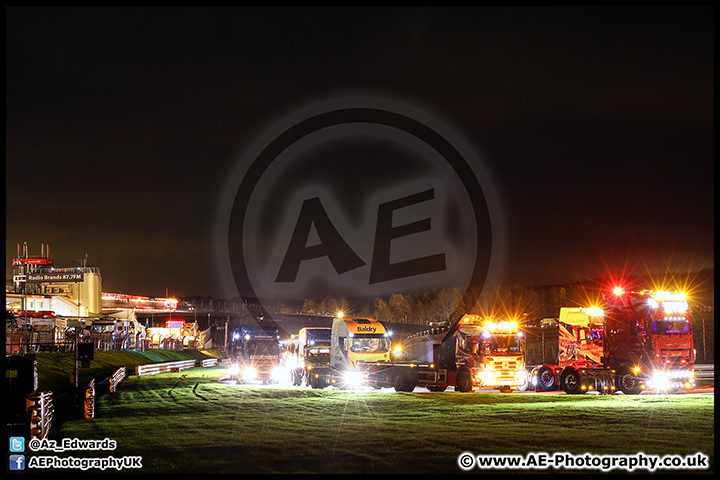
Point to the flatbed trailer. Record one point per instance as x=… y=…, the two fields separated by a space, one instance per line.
x=479 y=354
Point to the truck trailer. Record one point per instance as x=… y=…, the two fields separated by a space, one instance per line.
x=477 y=353
x=640 y=340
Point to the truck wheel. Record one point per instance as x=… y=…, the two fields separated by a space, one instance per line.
x=627 y=382
x=312 y=381
x=570 y=381
x=296 y=380
x=401 y=382
x=525 y=385
x=546 y=380
x=463 y=381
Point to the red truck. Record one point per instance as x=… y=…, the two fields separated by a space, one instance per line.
x=640 y=340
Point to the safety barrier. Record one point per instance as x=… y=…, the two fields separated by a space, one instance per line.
x=210 y=362
x=40 y=407
x=705 y=371
x=117 y=377
x=89 y=404
x=155 y=368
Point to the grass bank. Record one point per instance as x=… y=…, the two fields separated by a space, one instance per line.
x=189 y=422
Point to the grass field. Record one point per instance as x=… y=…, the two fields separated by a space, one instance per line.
x=189 y=422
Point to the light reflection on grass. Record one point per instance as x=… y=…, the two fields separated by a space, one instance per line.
x=189 y=423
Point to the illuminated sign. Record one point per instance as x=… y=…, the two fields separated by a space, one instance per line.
x=54 y=277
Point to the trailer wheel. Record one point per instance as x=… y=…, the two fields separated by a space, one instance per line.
x=463 y=381
x=627 y=382
x=570 y=381
x=546 y=380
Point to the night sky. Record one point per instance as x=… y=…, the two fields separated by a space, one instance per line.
x=595 y=125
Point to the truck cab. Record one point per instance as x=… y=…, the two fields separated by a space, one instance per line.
x=312 y=360
x=493 y=351
x=649 y=340
x=257 y=355
x=357 y=341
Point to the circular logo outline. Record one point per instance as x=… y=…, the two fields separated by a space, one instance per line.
x=349 y=110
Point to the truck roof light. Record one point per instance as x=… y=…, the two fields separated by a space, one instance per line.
x=501 y=326
x=618 y=291
x=594 y=312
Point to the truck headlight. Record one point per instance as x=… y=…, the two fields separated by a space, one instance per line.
x=661 y=381
x=234 y=370
x=249 y=373
x=354 y=379
x=486 y=376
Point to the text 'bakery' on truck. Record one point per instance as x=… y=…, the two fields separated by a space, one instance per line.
x=640 y=340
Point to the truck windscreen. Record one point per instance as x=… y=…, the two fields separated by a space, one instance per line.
x=501 y=344
x=667 y=326
x=315 y=338
x=262 y=347
x=369 y=344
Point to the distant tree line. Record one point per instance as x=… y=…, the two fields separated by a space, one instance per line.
x=525 y=304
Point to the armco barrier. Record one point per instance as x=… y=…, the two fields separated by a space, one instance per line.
x=40 y=409
x=154 y=368
x=705 y=371
x=89 y=404
x=117 y=377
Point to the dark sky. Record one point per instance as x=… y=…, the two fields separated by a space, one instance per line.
x=123 y=124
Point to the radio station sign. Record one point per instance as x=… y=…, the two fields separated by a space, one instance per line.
x=55 y=277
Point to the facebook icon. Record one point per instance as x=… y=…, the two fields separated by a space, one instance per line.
x=17 y=462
